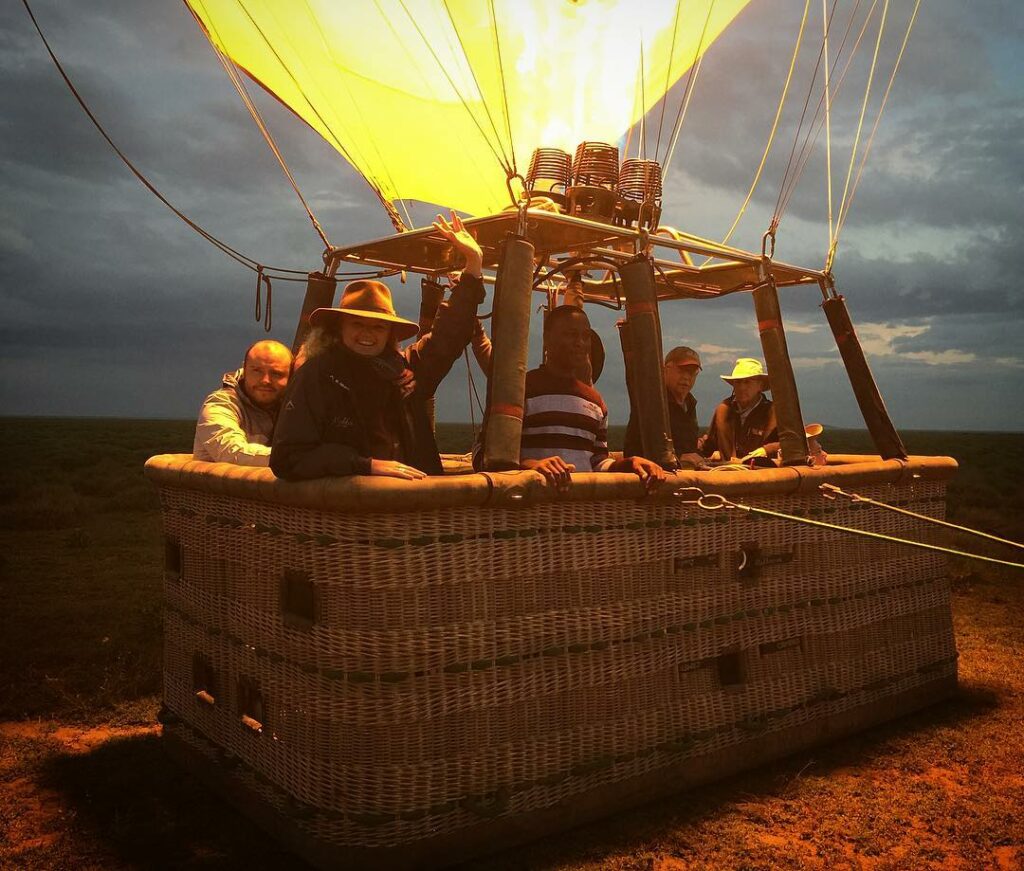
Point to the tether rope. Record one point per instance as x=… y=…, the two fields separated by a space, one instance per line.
x=714 y=501
x=860 y=125
x=234 y=254
x=774 y=128
x=830 y=491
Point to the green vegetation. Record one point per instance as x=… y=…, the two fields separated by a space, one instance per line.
x=83 y=783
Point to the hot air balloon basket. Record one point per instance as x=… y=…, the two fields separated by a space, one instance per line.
x=402 y=673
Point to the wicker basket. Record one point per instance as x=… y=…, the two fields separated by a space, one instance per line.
x=410 y=673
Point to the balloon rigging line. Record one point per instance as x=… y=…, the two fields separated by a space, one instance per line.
x=860 y=124
x=409 y=223
x=232 y=74
x=502 y=162
x=510 y=165
x=691 y=83
x=871 y=138
x=412 y=57
x=396 y=219
x=237 y=256
x=806 y=148
x=642 y=143
x=668 y=77
x=504 y=89
x=373 y=182
x=827 y=23
x=774 y=128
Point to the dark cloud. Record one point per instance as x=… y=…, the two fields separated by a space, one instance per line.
x=112 y=306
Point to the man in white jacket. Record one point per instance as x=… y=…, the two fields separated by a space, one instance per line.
x=236 y=423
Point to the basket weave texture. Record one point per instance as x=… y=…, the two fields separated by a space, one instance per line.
x=381 y=678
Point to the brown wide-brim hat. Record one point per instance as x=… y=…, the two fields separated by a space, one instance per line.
x=366 y=299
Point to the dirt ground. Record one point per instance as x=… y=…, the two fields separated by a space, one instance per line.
x=84 y=783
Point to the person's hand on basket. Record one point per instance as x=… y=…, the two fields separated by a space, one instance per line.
x=555 y=470
x=395 y=469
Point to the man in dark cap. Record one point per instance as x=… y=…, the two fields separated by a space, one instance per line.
x=682 y=366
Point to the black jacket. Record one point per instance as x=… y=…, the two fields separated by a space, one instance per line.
x=682 y=420
x=731 y=438
x=340 y=409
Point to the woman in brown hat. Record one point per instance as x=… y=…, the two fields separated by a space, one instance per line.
x=358 y=404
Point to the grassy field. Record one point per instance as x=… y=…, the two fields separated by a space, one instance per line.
x=84 y=784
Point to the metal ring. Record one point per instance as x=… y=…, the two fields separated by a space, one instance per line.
x=712 y=501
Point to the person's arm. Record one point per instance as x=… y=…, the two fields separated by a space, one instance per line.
x=434 y=354
x=707 y=444
x=482 y=348
x=299 y=451
x=220 y=436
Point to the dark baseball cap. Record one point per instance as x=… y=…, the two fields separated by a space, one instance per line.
x=683 y=356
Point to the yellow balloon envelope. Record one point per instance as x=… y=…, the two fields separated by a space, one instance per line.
x=439 y=100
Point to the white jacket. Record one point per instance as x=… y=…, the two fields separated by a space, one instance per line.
x=231 y=428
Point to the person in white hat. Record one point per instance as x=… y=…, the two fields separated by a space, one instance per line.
x=358 y=404
x=743 y=425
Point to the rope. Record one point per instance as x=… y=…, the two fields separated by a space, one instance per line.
x=828 y=120
x=471 y=394
x=871 y=138
x=684 y=104
x=714 y=501
x=668 y=76
x=827 y=23
x=775 y=127
x=860 y=124
x=830 y=491
x=374 y=186
x=816 y=125
x=504 y=89
x=642 y=143
x=237 y=256
x=501 y=158
x=267 y=318
x=369 y=131
x=509 y=164
x=243 y=93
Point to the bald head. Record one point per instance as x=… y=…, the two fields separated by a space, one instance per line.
x=265 y=372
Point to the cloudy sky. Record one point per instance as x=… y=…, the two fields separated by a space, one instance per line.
x=113 y=307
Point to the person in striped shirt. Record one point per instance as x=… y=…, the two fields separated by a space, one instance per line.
x=565 y=422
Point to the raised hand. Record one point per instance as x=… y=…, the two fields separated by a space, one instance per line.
x=463 y=242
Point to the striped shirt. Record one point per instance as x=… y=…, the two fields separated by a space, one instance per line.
x=564 y=417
